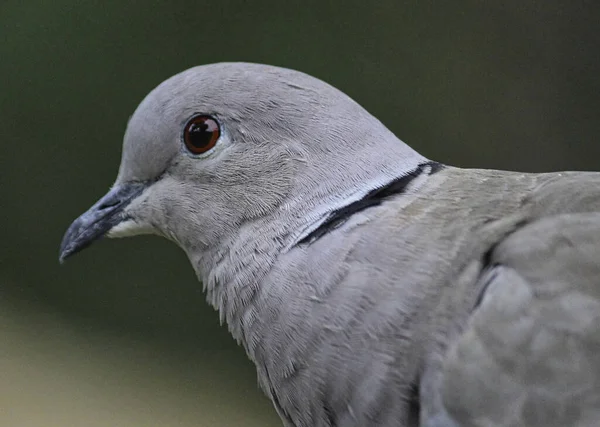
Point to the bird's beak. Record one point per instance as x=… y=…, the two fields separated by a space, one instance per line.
x=99 y=219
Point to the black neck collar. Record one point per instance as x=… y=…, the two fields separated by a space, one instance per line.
x=372 y=198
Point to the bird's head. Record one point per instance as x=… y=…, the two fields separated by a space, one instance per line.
x=222 y=151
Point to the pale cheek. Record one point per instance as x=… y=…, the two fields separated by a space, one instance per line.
x=129 y=228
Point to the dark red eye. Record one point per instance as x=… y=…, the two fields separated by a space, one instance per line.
x=201 y=134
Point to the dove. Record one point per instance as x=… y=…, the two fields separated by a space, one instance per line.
x=370 y=285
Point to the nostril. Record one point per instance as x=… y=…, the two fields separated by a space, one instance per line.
x=108 y=204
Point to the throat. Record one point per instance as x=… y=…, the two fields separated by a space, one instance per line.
x=373 y=198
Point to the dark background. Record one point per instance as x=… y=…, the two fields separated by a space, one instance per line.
x=120 y=335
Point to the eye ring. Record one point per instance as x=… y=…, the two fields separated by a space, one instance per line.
x=201 y=134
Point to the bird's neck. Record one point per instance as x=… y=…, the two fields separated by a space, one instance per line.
x=232 y=272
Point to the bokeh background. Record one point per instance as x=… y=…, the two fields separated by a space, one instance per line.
x=120 y=335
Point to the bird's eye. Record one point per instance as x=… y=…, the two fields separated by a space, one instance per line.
x=201 y=134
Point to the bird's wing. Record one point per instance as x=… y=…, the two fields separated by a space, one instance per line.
x=529 y=355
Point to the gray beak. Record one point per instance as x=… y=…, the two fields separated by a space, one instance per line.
x=100 y=218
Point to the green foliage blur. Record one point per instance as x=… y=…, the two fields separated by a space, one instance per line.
x=120 y=334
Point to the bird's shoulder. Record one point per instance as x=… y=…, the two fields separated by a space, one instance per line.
x=525 y=353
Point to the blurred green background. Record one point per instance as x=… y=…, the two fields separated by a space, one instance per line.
x=121 y=335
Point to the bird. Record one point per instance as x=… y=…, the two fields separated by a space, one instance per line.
x=370 y=285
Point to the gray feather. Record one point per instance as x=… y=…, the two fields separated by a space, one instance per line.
x=460 y=298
